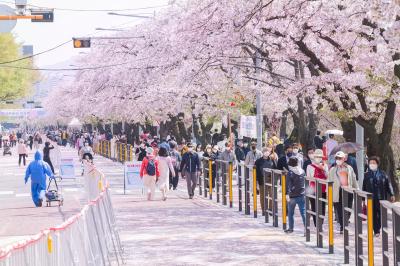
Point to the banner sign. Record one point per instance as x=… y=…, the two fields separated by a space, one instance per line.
x=67 y=168
x=132 y=175
x=248 y=126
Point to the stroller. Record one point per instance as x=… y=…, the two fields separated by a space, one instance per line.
x=6 y=148
x=53 y=195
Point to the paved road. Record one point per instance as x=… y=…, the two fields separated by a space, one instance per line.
x=19 y=217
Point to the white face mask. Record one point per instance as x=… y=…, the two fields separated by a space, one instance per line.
x=373 y=167
x=339 y=162
x=190 y=149
x=311 y=156
x=266 y=154
x=295 y=151
x=215 y=151
x=317 y=160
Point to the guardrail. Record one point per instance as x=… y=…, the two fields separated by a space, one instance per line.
x=87 y=238
x=274 y=183
x=122 y=152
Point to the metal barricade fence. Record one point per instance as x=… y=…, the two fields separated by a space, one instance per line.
x=87 y=238
x=387 y=207
x=317 y=199
x=270 y=197
x=240 y=182
x=348 y=196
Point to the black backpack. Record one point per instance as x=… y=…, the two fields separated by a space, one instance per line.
x=151 y=168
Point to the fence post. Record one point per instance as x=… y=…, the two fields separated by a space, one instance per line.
x=224 y=187
x=266 y=195
x=330 y=216
x=396 y=235
x=210 y=188
x=370 y=230
x=246 y=191
x=345 y=200
x=230 y=184
x=318 y=212
x=308 y=215
x=240 y=185
x=201 y=177
x=255 y=191
x=283 y=180
x=217 y=179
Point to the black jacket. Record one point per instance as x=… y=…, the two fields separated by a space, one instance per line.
x=378 y=184
x=191 y=162
x=261 y=164
x=295 y=185
x=240 y=154
x=282 y=163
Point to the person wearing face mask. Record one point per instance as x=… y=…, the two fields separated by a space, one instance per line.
x=252 y=155
x=176 y=162
x=149 y=172
x=295 y=189
x=246 y=148
x=283 y=161
x=273 y=155
x=342 y=175
x=378 y=184
x=317 y=169
x=297 y=154
x=239 y=152
x=310 y=158
x=228 y=155
x=86 y=152
x=265 y=161
x=191 y=164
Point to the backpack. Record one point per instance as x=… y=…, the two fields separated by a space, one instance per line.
x=151 y=168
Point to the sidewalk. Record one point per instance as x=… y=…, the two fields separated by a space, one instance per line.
x=199 y=232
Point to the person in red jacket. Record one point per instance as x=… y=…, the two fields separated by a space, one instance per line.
x=318 y=169
x=149 y=172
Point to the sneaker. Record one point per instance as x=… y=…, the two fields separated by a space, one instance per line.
x=190 y=196
x=40 y=203
x=288 y=231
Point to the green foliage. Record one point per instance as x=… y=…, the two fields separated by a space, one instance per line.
x=14 y=83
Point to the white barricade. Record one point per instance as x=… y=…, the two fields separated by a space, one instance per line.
x=87 y=238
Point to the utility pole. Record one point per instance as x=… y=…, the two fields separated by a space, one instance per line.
x=258 y=103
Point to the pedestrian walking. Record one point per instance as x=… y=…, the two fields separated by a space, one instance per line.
x=36 y=140
x=30 y=139
x=317 y=169
x=228 y=155
x=166 y=168
x=318 y=141
x=37 y=170
x=22 y=152
x=46 y=154
x=283 y=160
x=239 y=152
x=342 y=175
x=176 y=162
x=191 y=164
x=150 y=172
x=295 y=192
x=378 y=184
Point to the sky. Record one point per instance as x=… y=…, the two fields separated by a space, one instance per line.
x=68 y=24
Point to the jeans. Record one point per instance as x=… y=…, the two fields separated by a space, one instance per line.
x=301 y=202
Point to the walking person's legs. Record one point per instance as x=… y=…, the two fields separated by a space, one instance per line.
x=312 y=204
x=194 y=177
x=189 y=184
x=19 y=159
x=24 y=156
x=376 y=216
x=291 y=206
x=301 y=202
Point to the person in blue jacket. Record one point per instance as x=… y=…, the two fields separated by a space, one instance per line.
x=37 y=170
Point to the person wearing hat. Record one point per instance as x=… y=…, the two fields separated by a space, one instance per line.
x=319 y=170
x=191 y=166
x=149 y=172
x=342 y=175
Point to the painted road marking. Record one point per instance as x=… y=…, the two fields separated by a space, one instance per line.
x=6 y=192
x=23 y=195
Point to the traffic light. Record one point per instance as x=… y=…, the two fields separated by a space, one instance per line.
x=48 y=15
x=81 y=42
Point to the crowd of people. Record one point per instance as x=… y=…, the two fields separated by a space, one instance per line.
x=165 y=161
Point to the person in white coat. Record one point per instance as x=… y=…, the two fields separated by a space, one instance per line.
x=165 y=166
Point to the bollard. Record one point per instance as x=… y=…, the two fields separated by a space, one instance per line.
x=283 y=182
x=224 y=186
x=131 y=152
x=370 y=231
x=240 y=186
x=330 y=216
x=109 y=149
x=210 y=188
x=246 y=191
x=217 y=179
x=230 y=185
x=201 y=178
x=254 y=191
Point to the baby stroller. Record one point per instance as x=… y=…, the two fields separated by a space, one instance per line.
x=53 y=195
x=6 y=148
